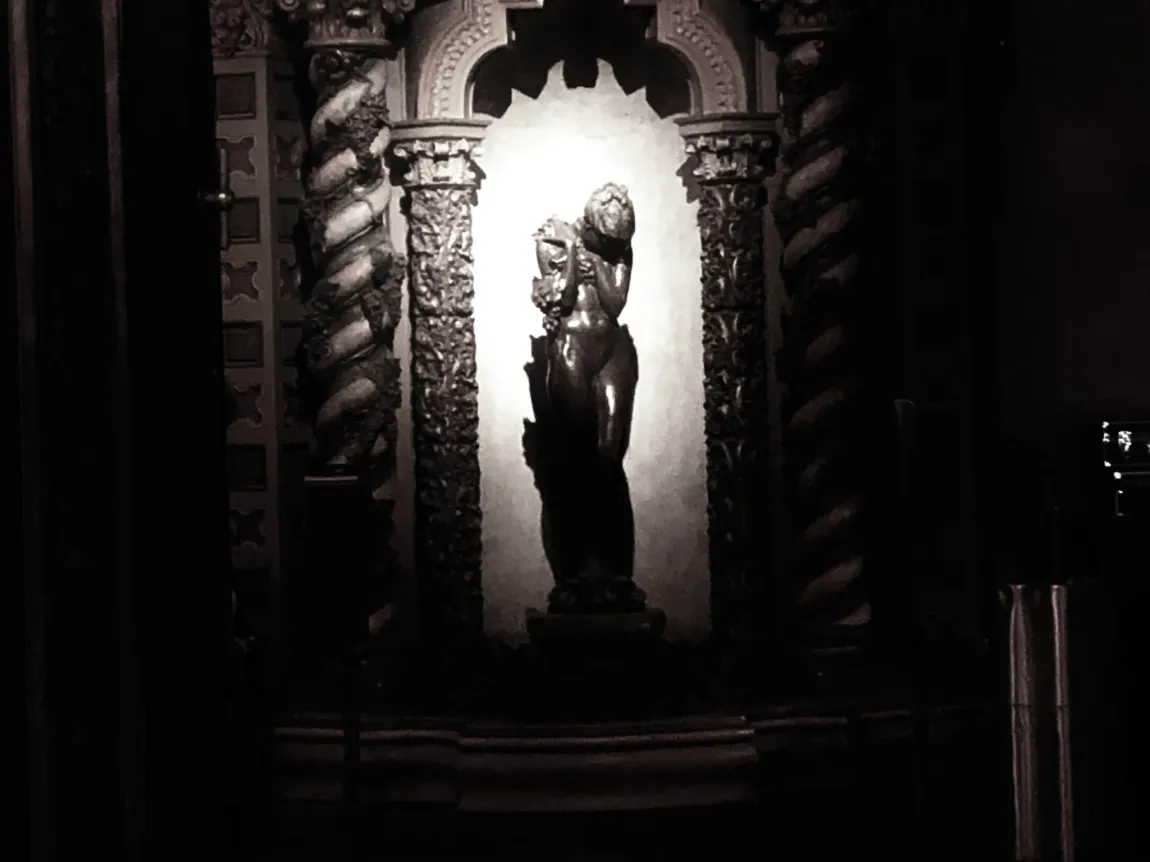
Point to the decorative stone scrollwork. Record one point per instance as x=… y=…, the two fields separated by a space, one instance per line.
x=818 y=210
x=349 y=23
x=240 y=26
x=811 y=17
x=730 y=153
x=441 y=182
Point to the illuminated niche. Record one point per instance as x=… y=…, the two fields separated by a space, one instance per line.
x=569 y=114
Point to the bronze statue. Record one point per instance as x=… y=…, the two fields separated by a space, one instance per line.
x=583 y=391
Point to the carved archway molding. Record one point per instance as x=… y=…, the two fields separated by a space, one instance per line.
x=451 y=41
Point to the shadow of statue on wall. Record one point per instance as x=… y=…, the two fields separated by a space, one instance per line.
x=587 y=524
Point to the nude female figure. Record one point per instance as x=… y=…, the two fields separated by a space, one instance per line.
x=592 y=367
x=591 y=372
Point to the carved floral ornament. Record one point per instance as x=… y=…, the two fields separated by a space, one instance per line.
x=348 y=23
x=797 y=18
x=239 y=26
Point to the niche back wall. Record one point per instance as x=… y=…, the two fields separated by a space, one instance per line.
x=543 y=155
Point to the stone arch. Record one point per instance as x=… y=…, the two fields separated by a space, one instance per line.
x=702 y=42
x=452 y=39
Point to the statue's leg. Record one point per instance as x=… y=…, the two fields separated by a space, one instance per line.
x=614 y=391
x=569 y=374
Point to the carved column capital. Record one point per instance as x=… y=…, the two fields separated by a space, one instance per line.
x=439 y=153
x=240 y=27
x=807 y=19
x=730 y=148
x=360 y=24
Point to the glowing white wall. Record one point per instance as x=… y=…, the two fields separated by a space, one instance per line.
x=544 y=157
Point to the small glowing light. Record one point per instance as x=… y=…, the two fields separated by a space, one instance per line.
x=1105 y=463
x=1117 y=475
x=1105 y=424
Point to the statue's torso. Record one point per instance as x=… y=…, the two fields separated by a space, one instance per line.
x=587 y=313
x=587 y=330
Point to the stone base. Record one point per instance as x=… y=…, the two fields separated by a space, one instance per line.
x=555 y=628
x=596 y=666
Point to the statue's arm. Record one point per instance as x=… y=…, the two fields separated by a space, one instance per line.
x=613 y=283
x=556 y=291
x=568 y=280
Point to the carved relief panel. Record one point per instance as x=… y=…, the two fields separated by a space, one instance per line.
x=259 y=135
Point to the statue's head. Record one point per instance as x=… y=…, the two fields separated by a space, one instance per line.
x=610 y=212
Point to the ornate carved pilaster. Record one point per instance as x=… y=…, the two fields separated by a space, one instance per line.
x=441 y=184
x=818 y=210
x=729 y=164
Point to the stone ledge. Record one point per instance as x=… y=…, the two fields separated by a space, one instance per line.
x=507 y=767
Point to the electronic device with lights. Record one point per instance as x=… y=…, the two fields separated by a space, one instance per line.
x=1126 y=457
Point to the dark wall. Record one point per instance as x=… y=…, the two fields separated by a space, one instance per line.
x=1071 y=293
x=1072 y=287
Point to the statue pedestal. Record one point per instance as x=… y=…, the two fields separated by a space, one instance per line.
x=553 y=629
x=596 y=665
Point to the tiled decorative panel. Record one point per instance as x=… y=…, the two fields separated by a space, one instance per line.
x=284 y=100
x=288 y=282
x=291 y=333
x=247 y=403
x=240 y=280
x=258 y=127
x=237 y=93
x=290 y=403
x=248 y=530
x=240 y=156
x=287 y=220
x=247 y=467
x=244 y=221
x=243 y=343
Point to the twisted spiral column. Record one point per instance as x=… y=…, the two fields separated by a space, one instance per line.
x=728 y=165
x=441 y=184
x=818 y=208
x=351 y=380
